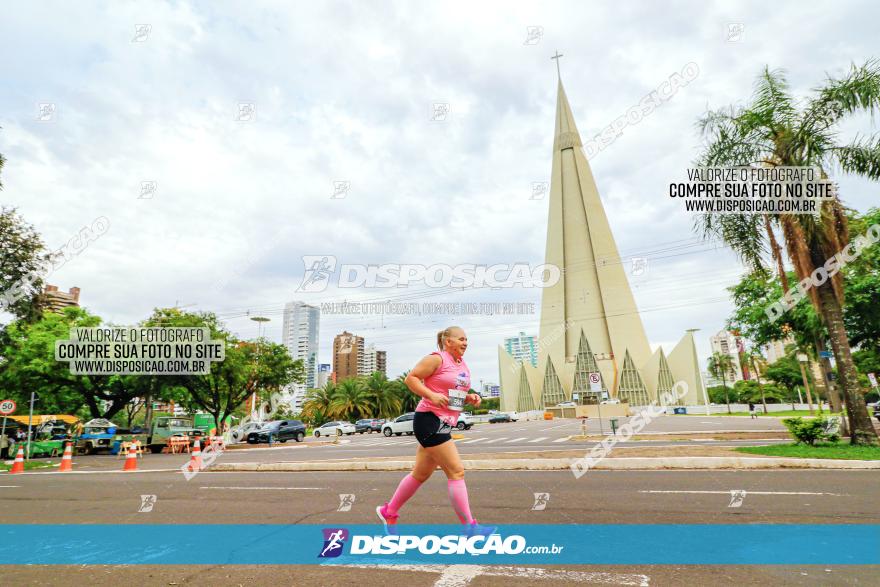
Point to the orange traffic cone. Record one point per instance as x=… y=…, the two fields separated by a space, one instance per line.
x=18 y=465
x=195 y=460
x=131 y=462
x=67 y=459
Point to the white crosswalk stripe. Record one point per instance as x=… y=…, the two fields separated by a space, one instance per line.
x=563 y=439
x=473 y=440
x=517 y=440
x=496 y=440
x=539 y=439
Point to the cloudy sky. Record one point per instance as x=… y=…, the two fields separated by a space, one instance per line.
x=151 y=94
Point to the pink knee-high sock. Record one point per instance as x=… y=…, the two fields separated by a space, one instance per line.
x=405 y=490
x=459 y=497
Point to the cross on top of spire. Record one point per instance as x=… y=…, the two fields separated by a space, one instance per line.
x=556 y=57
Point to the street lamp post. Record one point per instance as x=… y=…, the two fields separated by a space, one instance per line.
x=27 y=455
x=260 y=320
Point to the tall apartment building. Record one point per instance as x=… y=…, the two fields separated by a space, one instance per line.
x=348 y=355
x=523 y=347
x=775 y=350
x=55 y=301
x=725 y=343
x=372 y=360
x=299 y=334
x=324 y=371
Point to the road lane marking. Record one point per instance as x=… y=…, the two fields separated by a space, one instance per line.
x=496 y=440
x=747 y=491
x=9 y=486
x=257 y=488
x=563 y=439
x=461 y=575
x=517 y=440
x=473 y=440
x=539 y=439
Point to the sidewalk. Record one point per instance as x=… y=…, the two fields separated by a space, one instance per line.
x=639 y=458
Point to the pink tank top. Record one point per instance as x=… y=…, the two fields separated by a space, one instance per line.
x=449 y=375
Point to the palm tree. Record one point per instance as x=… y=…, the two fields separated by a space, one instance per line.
x=317 y=402
x=775 y=130
x=752 y=357
x=408 y=400
x=719 y=366
x=385 y=402
x=351 y=400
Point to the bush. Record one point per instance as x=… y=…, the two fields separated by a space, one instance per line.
x=810 y=431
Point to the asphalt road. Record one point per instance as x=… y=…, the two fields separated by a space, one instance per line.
x=533 y=436
x=616 y=497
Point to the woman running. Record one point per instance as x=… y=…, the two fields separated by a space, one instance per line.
x=442 y=380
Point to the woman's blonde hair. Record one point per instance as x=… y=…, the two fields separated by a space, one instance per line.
x=444 y=334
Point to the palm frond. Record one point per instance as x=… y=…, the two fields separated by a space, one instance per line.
x=857 y=91
x=861 y=157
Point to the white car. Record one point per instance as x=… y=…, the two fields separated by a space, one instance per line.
x=400 y=425
x=465 y=421
x=335 y=428
x=240 y=433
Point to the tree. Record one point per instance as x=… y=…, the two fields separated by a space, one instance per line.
x=29 y=363
x=408 y=400
x=786 y=372
x=719 y=366
x=861 y=313
x=248 y=367
x=316 y=405
x=23 y=261
x=773 y=131
x=351 y=400
x=385 y=402
x=753 y=358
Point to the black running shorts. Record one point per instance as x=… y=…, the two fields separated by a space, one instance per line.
x=431 y=430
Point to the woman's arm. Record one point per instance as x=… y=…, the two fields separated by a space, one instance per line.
x=423 y=369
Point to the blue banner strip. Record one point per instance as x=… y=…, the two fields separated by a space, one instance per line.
x=622 y=544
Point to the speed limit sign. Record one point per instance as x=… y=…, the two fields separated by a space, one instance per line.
x=7 y=407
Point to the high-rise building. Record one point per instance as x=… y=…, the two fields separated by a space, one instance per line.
x=725 y=343
x=55 y=301
x=348 y=355
x=371 y=361
x=324 y=371
x=490 y=389
x=523 y=347
x=775 y=350
x=299 y=334
x=590 y=325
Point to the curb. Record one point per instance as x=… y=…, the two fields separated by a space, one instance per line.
x=633 y=463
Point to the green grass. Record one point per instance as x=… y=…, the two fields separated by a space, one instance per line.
x=761 y=414
x=820 y=451
x=28 y=465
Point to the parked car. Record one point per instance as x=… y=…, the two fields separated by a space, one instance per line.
x=280 y=430
x=240 y=433
x=877 y=411
x=500 y=417
x=362 y=426
x=335 y=428
x=376 y=424
x=465 y=421
x=401 y=425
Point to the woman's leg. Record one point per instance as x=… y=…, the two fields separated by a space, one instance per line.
x=422 y=470
x=446 y=455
